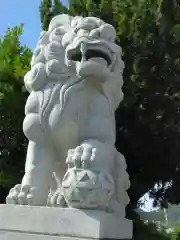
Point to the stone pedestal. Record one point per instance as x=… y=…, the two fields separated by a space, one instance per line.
x=43 y=223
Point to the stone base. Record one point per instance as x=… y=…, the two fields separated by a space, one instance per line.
x=44 y=223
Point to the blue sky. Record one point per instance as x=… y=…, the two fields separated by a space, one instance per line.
x=15 y=12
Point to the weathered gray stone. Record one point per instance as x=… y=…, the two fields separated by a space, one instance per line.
x=75 y=85
x=27 y=222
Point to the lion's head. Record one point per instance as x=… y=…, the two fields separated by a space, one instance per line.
x=78 y=48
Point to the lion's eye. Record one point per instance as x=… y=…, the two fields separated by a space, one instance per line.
x=60 y=31
x=84 y=26
x=108 y=32
x=82 y=32
x=95 y=33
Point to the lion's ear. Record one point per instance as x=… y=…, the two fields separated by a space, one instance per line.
x=60 y=20
x=118 y=66
x=36 y=78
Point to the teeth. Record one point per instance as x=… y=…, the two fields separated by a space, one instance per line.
x=83 y=50
x=99 y=60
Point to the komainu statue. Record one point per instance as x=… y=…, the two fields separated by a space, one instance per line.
x=75 y=86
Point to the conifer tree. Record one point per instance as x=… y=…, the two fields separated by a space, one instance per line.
x=49 y=9
x=58 y=8
x=14 y=63
x=45 y=13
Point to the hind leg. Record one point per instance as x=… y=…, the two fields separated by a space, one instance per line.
x=40 y=159
x=35 y=184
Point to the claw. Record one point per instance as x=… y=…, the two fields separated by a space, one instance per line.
x=81 y=156
x=57 y=199
x=10 y=199
x=24 y=195
x=22 y=198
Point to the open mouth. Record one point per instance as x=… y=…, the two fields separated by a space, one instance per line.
x=90 y=53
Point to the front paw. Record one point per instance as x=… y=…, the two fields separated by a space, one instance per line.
x=57 y=199
x=81 y=157
x=25 y=195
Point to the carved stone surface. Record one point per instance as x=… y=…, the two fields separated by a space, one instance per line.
x=87 y=189
x=43 y=223
x=75 y=86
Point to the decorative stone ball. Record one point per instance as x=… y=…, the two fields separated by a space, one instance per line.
x=87 y=189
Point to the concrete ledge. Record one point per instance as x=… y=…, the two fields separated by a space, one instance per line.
x=37 y=223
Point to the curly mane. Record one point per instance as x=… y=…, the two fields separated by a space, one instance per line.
x=51 y=71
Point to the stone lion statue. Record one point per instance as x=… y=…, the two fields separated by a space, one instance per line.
x=75 y=86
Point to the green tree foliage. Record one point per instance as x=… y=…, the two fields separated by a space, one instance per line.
x=14 y=63
x=58 y=8
x=45 y=13
x=148 y=120
x=48 y=9
x=176 y=234
x=149 y=232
